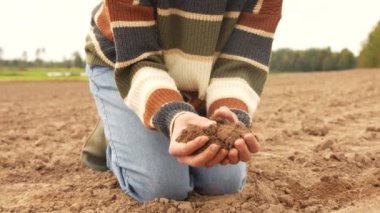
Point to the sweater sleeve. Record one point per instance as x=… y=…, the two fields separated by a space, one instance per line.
x=240 y=71
x=140 y=73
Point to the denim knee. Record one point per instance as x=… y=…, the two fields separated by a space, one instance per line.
x=149 y=187
x=235 y=184
x=232 y=185
x=221 y=181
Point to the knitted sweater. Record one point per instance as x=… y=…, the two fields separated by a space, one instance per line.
x=163 y=49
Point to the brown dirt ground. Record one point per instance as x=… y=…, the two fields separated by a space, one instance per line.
x=320 y=134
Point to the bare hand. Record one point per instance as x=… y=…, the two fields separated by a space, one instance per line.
x=183 y=151
x=243 y=147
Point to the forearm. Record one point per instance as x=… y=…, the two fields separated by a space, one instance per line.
x=240 y=72
x=124 y=35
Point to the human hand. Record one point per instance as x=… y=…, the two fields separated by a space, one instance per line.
x=243 y=147
x=183 y=151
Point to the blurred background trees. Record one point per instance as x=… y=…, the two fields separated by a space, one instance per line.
x=312 y=60
x=40 y=56
x=22 y=63
x=325 y=60
x=370 y=54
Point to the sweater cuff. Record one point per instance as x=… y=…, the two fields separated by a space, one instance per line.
x=243 y=117
x=163 y=118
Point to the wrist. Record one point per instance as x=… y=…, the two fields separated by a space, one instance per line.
x=175 y=118
x=243 y=117
x=163 y=119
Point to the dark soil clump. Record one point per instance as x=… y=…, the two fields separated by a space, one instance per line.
x=224 y=133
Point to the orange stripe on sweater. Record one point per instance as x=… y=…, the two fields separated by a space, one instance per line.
x=267 y=23
x=267 y=18
x=104 y=24
x=127 y=11
x=271 y=7
x=156 y=100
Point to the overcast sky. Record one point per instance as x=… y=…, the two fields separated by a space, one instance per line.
x=60 y=26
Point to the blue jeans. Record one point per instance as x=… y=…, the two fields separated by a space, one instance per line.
x=139 y=157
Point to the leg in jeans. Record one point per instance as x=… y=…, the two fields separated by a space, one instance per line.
x=139 y=157
x=219 y=179
x=136 y=155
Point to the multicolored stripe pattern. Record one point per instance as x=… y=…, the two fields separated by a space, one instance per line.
x=218 y=48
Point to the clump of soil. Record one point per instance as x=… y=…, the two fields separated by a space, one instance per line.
x=224 y=133
x=314 y=126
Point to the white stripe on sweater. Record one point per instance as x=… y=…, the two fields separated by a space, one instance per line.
x=190 y=72
x=257 y=8
x=120 y=24
x=259 y=32
x=238 y=88
x=247 y=60
x=144 y=83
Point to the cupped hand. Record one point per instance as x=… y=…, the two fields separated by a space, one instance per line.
x=243 y=147
x=183 y=151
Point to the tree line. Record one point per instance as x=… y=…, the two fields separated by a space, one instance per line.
x=312 y=60
x=22 y=63
x=324 y=59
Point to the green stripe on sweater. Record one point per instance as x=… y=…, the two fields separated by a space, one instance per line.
x=191 y=36
x=226 y=68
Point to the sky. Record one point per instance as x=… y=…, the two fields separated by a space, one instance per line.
x=61 y=26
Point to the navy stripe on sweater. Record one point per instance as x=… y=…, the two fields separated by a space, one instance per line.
x=249 y=45
x=233 y=5
x=131 y=42
x=106 y=45
x=250 y=5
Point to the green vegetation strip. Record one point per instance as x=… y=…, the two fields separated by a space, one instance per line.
x=42 y=74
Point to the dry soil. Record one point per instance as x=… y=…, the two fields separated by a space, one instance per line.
x=320 y=137
x=223 y=133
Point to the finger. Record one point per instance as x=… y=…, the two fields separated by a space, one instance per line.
x=225 y=161
x=202 y=158
x=242 y=147
x=183 y=149
x=252 y=143
x=218 y=158
x=233 y=156
x=225 y=113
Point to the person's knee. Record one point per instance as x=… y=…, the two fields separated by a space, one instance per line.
x=235 y=184
x=230 y=185
x=229 y=181
x=146 y=188
x=164 y=188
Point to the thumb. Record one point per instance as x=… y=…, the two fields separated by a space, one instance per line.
x=200 y=121
x=204 y=123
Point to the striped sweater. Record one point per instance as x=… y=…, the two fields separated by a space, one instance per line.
x=163 y=51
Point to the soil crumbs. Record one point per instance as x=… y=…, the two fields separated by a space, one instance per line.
x=223 y=133
x=320 y=137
